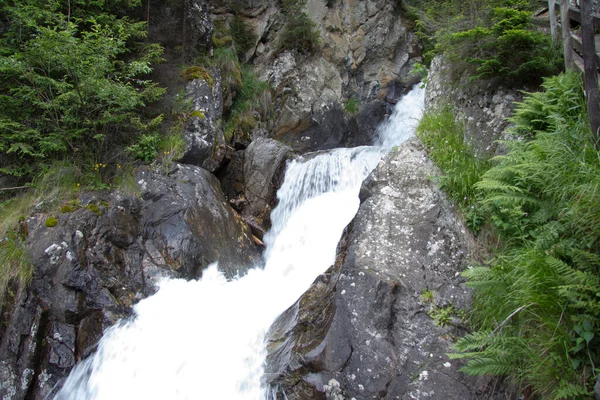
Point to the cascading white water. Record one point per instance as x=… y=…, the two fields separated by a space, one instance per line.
x=204 y=339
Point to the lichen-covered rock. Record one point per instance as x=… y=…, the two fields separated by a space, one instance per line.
x=480 y=106
x=205 y=142
x=364 y=330
x=97 y=261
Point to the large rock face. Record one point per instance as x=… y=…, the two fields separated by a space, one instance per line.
x=100 y=259
x=481 y=106
x=205 y=142
x=252 y=178
x=362 y=330
x=366 y=55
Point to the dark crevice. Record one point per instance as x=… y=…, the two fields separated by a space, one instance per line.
x=40 y=353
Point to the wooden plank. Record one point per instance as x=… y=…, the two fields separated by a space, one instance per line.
x=578 y=45
x=578 y=62
x=575 y=15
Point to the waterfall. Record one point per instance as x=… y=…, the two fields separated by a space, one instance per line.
x=204 y=339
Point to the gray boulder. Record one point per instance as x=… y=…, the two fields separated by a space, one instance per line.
x=363 y=330
x=264 y=167
x=188 y=224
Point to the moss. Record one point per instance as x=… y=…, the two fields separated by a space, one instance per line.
x=94 y=208
x=69 y=207
x=196 y=72
x=198 y=114
x=51 y=222
x=222 y=41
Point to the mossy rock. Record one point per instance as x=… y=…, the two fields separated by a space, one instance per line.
x=69 y=207
x=196 y=72
x=51 y=222
x=94 y=208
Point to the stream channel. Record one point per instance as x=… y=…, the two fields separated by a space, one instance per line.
x=205 y=339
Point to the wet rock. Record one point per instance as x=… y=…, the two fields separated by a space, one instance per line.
x=198 y=27
x=335 y=128
x=188 y=224
x=365 y=324
x=205 y=142
x=264 y=167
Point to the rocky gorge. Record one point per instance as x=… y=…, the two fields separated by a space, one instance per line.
x=367 y=328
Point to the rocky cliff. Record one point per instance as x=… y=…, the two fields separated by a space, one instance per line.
x=379 y=323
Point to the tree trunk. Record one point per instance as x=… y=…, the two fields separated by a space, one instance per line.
x=553 y=22
x=590 y=66
x=565 y=23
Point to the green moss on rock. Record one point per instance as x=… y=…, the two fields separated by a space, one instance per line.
x=51 y=222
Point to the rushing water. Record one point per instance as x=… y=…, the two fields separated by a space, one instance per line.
x=204 y=339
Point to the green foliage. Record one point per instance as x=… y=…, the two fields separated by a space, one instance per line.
x=300 y=32
x=243 y=35
x=254 y=98
x=421 y=71
x=351 y=105
x=146 y=148
x=442 y=316
x=444 y=142
x=70 y=87
x=536 y=304
x=510 y=48
x=488 y=38
x=427 y=296
x=15 y=263
x=94 y=208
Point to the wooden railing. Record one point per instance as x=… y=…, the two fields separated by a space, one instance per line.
x=581 y=50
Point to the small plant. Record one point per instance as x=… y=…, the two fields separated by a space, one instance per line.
x=69 y=207
x=300 y=34
x=51 y=222
x=421 y=71
x=351 y=105
x=146 y=148
x=196 y=72
x=442 y=316
x=427 y=296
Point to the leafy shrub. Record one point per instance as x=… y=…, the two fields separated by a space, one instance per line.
x=254 y=97
x=510 y=48
x=488 y=38
x=536 y=304
x=146 y=148
x=70 y=89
